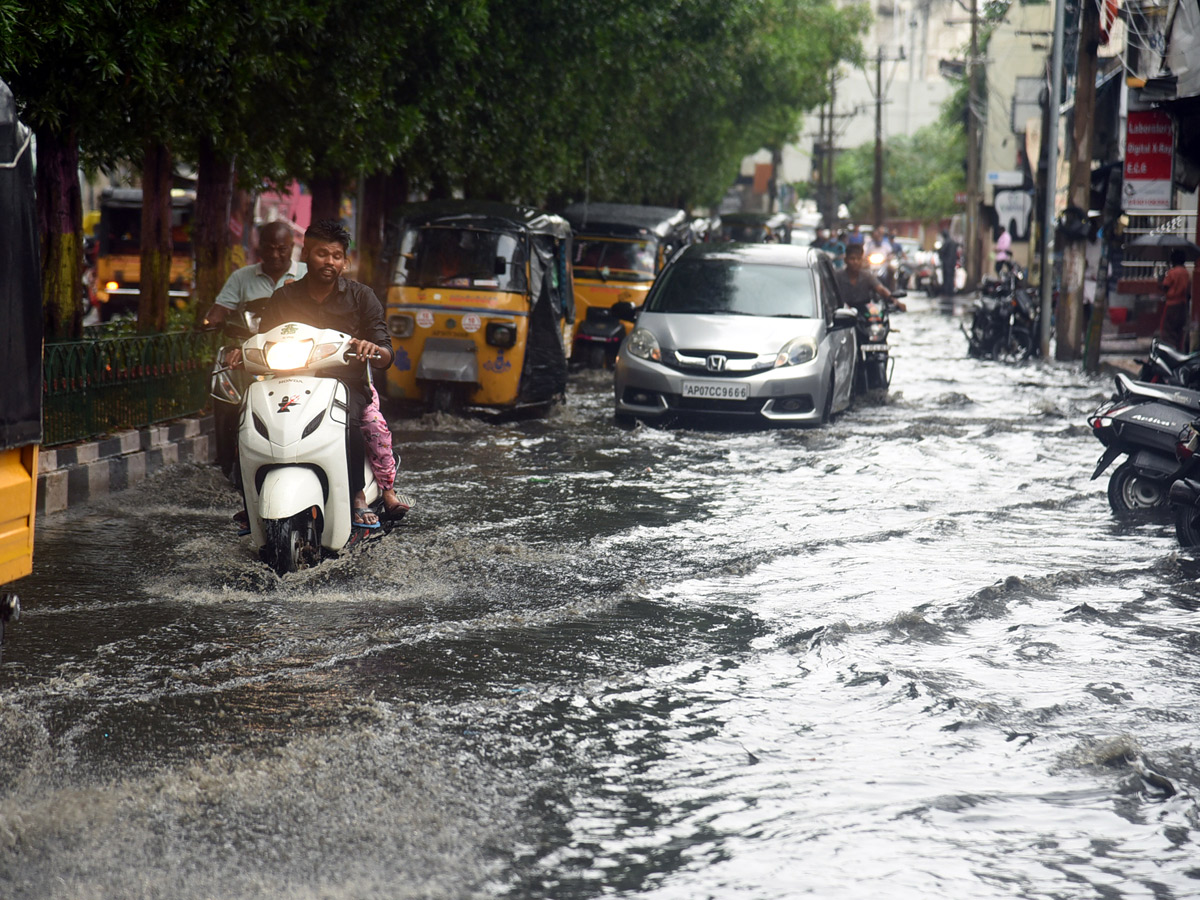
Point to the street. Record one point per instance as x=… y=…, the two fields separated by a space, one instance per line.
x=907 y=655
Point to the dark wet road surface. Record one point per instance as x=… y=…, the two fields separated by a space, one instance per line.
x=907 y=655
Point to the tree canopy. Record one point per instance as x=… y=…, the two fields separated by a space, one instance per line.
x=541 y=101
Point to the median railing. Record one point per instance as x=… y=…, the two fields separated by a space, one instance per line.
x=97 y=387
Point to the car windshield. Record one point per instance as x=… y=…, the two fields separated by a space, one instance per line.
x=606 y=258
x=435 y=256
x=732 y=287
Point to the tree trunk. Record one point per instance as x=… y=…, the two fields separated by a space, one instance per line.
x=155 y=273
x=1069 y=316
x=326 y=197
x=210 y=227
x=60 y=226
x=370 y=233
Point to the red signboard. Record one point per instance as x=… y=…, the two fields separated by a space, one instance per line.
x=1149 y=154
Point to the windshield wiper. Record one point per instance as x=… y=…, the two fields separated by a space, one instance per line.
x=789 y=316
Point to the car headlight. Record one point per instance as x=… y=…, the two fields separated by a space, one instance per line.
x=644 y=345
x=283 y=355
x=796 y=352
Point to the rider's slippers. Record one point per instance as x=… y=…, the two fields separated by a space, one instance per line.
x=360 y=514
x=243 y=523
x=404 y=504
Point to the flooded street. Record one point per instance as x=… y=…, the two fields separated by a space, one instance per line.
x=909 y=655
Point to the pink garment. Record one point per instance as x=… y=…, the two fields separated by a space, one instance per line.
x=377 y=437
x=1003 y=244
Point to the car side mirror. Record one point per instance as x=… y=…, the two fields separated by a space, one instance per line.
x=625 y=311
x=844 y=318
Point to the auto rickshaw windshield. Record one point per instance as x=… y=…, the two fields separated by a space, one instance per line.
x=436 y=256
x=623 y=260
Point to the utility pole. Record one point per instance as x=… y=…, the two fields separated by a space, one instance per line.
x=1070 y=305
x=1050 y=139
x=827 y=185
x=972 y=250
x=877 y=184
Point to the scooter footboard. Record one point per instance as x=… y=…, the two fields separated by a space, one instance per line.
x=288 y=490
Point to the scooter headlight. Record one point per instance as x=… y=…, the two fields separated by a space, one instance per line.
x=877 y=333
x=876 y=258
x=796 y=352
x=644 y=345
x=283 y=355
x=324 y=351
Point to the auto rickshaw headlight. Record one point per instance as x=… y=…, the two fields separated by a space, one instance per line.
x=644 y=345
x=501 y=334
x=111 y=286
x=400 y=326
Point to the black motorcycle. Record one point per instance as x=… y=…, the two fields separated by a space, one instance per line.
x=873 y=368
x=1166 y=365
x=1142 y=422
x=1005 y=321
x=1184 y=496
x=598 y=339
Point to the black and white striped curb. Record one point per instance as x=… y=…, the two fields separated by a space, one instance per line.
x=72 y=475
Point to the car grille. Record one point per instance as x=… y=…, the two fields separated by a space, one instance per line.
x=738 y=363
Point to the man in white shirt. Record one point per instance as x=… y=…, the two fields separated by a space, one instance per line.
x=261 y=279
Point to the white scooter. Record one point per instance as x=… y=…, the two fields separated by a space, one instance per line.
x=292 y=446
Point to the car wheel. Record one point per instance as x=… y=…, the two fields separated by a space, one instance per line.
x=1132 y=495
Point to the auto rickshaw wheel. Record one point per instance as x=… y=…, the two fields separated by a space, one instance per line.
x=443 y=398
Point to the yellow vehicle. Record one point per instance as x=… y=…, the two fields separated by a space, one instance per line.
x=118 y=269
x=21 y=349
x=479 y=306
x=619 y=249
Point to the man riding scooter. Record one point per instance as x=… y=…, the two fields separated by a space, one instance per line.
x=324 y=298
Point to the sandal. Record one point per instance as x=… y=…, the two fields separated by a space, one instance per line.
x=403 y=504
x=359 y=518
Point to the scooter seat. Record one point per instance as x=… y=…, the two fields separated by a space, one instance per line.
x=1177 y=396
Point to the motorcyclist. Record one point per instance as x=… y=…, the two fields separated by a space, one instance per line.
x=856 y=284
x=324 y=298
x=260 y=280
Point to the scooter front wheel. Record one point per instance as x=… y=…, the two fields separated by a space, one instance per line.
x=291 y=544
x=1132 y=495
x=1187 y=526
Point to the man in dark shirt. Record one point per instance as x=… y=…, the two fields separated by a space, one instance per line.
x=325 y=299
x=858 y=286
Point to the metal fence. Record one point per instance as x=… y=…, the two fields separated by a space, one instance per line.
x=97 y=387
x=1138 y=266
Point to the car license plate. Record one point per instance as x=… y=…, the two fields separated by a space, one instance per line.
x=716 y=390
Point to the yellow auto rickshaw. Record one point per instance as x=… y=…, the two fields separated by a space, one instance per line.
x=619 y=249
x=756 y=228
x=118 y=270
x=479 y=306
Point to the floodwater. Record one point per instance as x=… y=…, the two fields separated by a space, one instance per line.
x=909 y=655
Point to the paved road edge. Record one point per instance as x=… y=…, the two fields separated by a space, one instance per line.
x=70 y=476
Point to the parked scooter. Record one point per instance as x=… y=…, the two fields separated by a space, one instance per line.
x=873 y=371
x=292 y=448
x=1143 y=423
x=1004 y=323
x=1166 y=365
x=1184 y=495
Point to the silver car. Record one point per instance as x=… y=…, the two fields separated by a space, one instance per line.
x=748 y=330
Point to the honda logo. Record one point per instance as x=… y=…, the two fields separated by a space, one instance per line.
x=715 y=363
